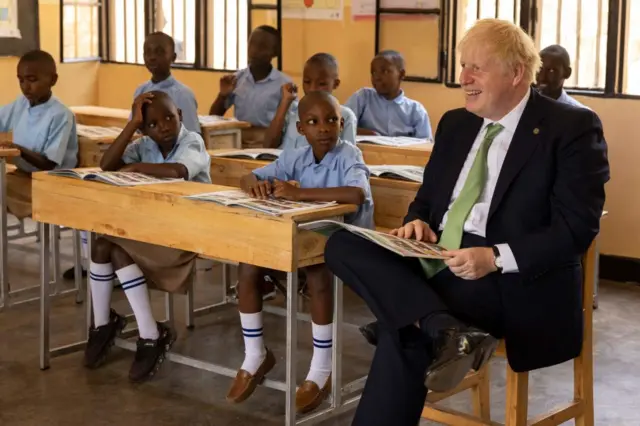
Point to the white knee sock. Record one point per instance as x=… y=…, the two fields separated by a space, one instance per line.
x=321 y=361
x=134 y=285
x=84 y=245
x=254 y=349
x=101 y=281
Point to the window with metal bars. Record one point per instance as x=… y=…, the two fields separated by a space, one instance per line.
x=80 y=24
x=177 y=18
x=424 y=58
x=127 y=28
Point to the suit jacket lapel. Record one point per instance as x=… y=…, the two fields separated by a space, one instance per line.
x=459 y=148
x=524 y=142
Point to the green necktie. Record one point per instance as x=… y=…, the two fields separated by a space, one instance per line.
x=451 y=237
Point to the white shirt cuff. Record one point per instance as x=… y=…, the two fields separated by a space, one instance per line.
x=509 y=264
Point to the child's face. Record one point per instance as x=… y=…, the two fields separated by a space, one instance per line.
x=262 y=48
x=321 y=124
x=385 y=76
x=158 y=55
x=550 y=78
x=162 y=122
x=317 y=77
x=36 y=81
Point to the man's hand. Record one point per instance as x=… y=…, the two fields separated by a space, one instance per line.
x=256 y=188
x=136 y=118
x=471 y=263
x=421 y=230
x=285 y=190
x=228 y=84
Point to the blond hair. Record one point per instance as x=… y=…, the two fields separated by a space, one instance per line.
x=507 y=42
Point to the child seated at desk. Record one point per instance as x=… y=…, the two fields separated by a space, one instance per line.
x=556 y=68
x=255 y=91
x=327 y=169
x=384 y=110
x=167 y=149
x=320 y=73
x=44 y=129
x=159 y=53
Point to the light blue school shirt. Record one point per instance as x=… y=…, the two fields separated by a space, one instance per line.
x=342 y=166
x=189 y=151
x=257 y=101
x=397 y=117
x=48 y=129
x=292 y=139
x=181 y=95
x=566 y=99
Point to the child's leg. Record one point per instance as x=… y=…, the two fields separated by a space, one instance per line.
x=250 y=307
x=258 y=359
x=70 y=273
x=107 y=324
x=321 y=295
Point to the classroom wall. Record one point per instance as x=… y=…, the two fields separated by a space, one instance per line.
x=353 y=45
x=77 y=83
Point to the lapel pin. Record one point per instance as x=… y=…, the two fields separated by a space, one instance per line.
x=536 y=131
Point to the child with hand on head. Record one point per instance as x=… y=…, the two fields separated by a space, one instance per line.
x=169 y=150
x=44 y=129
x=159 y=54
x=556 y=68
x=320 y=74
x=384 y=110
x=326 y=169
x=255 y=91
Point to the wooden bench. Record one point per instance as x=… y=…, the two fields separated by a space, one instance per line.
x=579 y=408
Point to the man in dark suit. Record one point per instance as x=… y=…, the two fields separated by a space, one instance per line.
x=514 y=190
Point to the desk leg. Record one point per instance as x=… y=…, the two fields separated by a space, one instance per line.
x=596 y=274
x=77 y=265
x=91 y=239
x=45 y=303
x=238 y=139
x=336 y=352
x=4 y=273
x=292 y=345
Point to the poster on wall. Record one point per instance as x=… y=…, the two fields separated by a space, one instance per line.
x=366 y=9
x=18 y=27
x=331 y=10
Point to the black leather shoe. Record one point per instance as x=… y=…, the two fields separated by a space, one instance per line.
x=457 y=351
x=370 y=332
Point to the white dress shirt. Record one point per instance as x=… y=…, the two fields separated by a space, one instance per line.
x=476 y=222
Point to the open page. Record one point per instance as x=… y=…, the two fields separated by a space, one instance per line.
x=80 y=174
x=254 y=153
x=211 y=119
x=406 y=172
x=128 y=178
x=391 y=140
x=402 y=246
x=272 y=206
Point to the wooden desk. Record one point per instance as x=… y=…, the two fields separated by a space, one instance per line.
x=391 y=197
x=6 y=137
x=4 y=273
x=158 y=214
x=101 y=116
x=415 y=155
x=223 y=133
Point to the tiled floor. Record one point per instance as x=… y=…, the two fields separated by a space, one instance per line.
x=67 y=394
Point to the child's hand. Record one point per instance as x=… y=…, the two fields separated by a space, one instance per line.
x=142 y=99
x=129 y=168
x=285 y=190
x=254 y=187
x=228 y=84
x=289 y=92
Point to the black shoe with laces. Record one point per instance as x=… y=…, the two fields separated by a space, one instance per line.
x=150 y=354
x=101 y=340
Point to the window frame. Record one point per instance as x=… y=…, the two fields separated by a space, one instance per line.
x=99 y=4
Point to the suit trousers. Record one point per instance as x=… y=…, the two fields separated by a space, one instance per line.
x=398 y=293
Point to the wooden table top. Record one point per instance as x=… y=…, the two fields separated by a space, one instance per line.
x=9 y=152
x=101 y=111
x=224 y=125
x=158 y=214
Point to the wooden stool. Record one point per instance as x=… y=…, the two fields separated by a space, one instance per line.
x=580 y=408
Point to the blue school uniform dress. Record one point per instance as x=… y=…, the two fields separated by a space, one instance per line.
x=181 y=95
x=292 y=139
x=397 y=117
x=48 y=129
x=189 y=151
x=566 y=99
x=342 y=166
x=257 y=101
